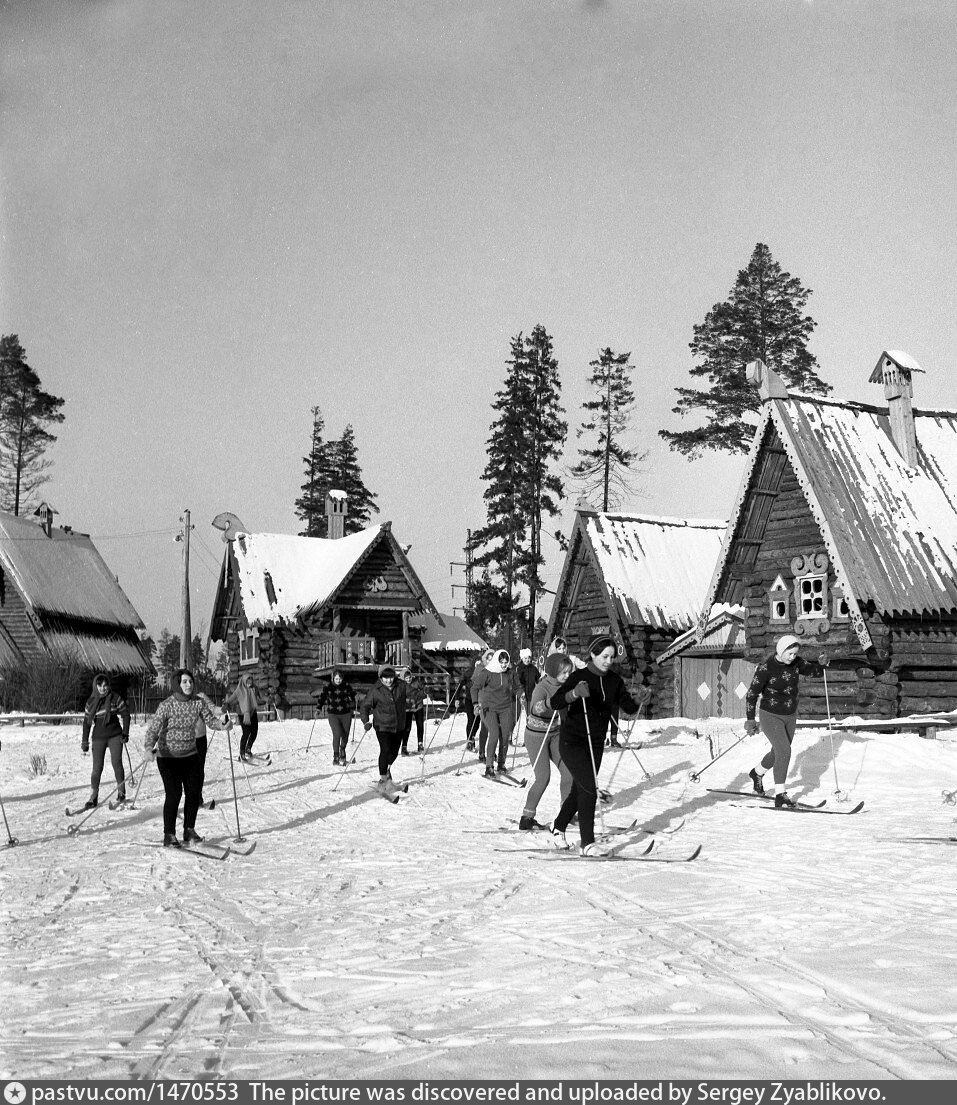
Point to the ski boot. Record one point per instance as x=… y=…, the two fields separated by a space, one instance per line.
x=756 y=781
x=595 y=849
x=91 y=803
x=784 y=802
x=557 y=838
x=191 y=836
x=527 y=824
x=170 y=841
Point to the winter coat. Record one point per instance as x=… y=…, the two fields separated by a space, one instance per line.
x=244 y=698
x=528 y=676
x=496 y=690
x=608 y=696
x=414 y=696
x=172 y=729
x=473 y=692
x=104 y=718
x=776 y=685
x=387 y=707
x=540 y=713
x=338 y=698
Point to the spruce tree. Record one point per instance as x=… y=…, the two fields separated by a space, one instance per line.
x=525 y=442
x=606 y=465
x=26 y=413
x=761 y=319
x=346 y=475
x=311 y=504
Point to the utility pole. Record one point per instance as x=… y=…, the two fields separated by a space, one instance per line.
x=186 y=640
x=468 y=565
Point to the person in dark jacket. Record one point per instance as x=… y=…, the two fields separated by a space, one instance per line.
x=106 y=718
x=476 y=707
x=339 y=699
x=497 y=687
x=528 y=675
x=414 y=711
x=775 y=685
x=590 y=696
x=171 y=734
x=384 y=704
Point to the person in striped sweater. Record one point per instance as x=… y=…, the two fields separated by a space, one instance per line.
x=543 y=726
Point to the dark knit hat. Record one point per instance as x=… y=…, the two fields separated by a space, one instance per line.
x=387 y=673
x=600 y=642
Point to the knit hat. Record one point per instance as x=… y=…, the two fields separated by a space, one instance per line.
x=600 y=643
x=784 y=643
x=525 y=654
x=555 y=663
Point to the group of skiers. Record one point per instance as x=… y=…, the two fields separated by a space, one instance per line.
x=569 y=706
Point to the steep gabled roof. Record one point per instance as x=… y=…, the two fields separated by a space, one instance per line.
x=890 y=529
x=283 y=577
x=63 y=575
x=653 y=570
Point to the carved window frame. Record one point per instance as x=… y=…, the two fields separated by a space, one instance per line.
x=808 y=570
x=248 y=646
x=779 y=605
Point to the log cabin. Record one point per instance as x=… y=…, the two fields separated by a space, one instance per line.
x=290 y=608
x=844 y=533
x=59 y=601
x=638 y=578
x=711 y=673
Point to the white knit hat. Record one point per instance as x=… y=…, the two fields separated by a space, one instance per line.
x=784 y=643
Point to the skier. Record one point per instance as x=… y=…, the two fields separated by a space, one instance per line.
x=527 y=675
x=544 y=725
x=171 y=734
x=591 y=694
x=415 y=711
x=339 y=699
x=385 y=704
x=244 y=697
x=775 y=684
x=474 y=695
x=106 y=717
x=496 y=686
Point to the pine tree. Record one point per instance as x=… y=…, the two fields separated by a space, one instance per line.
x=346 y=475
x=525 y=442
x=606 y=466
x=761 y=319
x=311 y=505
x=26 y=412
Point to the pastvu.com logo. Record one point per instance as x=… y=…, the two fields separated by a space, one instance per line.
x=15 y=1093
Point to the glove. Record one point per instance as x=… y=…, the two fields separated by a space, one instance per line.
x=824 y=659
x=643 y=695
x=580 y=690
x=126 y=738
x=85 y=749
x=367 y=725
x=751 y=726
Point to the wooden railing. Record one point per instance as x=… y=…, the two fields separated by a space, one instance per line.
x=347 y=652
x=398 y=654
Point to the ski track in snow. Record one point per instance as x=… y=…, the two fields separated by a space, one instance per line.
x=362 y=940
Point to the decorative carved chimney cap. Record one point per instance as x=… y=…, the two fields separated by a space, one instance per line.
x=892 y=360
x=766 y=380
x=45 y=513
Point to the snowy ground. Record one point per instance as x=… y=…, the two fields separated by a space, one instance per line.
x=362 y=940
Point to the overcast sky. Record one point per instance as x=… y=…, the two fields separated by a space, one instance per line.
x=217 y=215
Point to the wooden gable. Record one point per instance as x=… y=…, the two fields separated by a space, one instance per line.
x=583 y=607
x=379 y=582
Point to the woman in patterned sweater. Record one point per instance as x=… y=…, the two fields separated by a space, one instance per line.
x=775 y=683
x=171 y=733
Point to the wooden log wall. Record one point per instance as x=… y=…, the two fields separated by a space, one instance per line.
x=585 y=609
x=641 y=668
x=924 y=659
x=378 y=568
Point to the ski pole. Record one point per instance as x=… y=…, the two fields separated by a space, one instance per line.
x=594 y=771
x=515 y=728
x=644 y=770
x=838 y=794
x=239 y=838
x=72 y=830
x=311 y=731
x=465 y=748
x=695 y=776
x=445 y=714
x=136 y=793
x=12 y=841
x=352 y=761
x=131 y=780
x=544 y=742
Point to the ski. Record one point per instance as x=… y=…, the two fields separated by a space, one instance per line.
x=393 y=798
x=188 y=850
x=502 y=780
x=121 y=804
x=617 y=830
x=254 y=760
x=767 y=798
x=814 y=809
x=512 y=779
x=210 y=805
x=614 y=856
x=79 y=810
x=945 y=840
x=235 y=848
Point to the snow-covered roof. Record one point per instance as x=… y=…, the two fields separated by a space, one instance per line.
x=63 y=574
x=282 y=576
x=656 y=569
x=890 y=529
x=454 y=635
x=724 y=624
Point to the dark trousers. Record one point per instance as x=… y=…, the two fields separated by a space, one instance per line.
x=583 y=796
x=99 y=749
x=418 y=716
x=202 y=745
x=340 y=724
x=469 y=720
x=180 y=777
x=250 y=732
x=499 y=725
x=389 y=741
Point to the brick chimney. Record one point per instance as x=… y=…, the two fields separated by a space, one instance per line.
x=894 y=370
x=337 y=507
